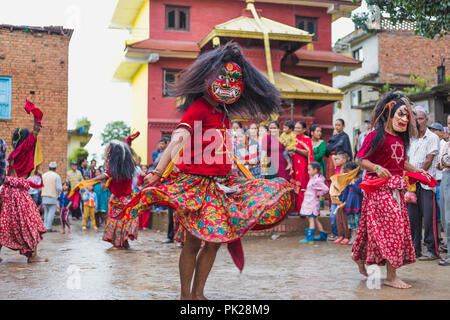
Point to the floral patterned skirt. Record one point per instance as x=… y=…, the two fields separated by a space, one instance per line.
x=118 y=231
x=208 y=213
x=21 y=226
x=384 y=232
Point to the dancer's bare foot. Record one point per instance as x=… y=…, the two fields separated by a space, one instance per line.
x=198 y=297
x=63 y=232
x=70 y=230
x=397 y=283
x=185 y=297
x=36 y=259
x=361 y=267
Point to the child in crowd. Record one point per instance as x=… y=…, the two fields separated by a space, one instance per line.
x=36 y=179
x=242 y=149
x=311 y=204
x=339 y=161
x=89 y=206
x=351 y=199
x=64 y=204
x=287 y=139
x=103 y=195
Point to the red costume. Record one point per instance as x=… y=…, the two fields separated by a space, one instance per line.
x=300 y=163
x=384 y=232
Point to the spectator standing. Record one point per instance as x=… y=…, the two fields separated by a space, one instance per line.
x=103 y=195
x=438 y=130
x=92 y=168
x=50 y=193
x=444 y=165
x=319 y=146
x=363 y=135
x=423 y=154
x=74 y=177
x=339 y=142
x=162 y=144
x=83 y=168
x=254 y=151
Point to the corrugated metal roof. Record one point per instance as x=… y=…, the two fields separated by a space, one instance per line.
x=46 y=29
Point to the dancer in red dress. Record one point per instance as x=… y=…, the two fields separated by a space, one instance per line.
x=384 y=233
x=21 y=227
x=211 y=203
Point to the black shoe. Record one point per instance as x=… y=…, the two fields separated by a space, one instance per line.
x=167 y=241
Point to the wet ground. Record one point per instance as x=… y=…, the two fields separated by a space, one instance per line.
x=275 y=269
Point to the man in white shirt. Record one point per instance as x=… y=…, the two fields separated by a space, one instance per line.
x=423 y=153
x=50 y=193
x=444 y=165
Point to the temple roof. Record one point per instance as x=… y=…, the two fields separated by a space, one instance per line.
x=247 y=27
x=292 y=87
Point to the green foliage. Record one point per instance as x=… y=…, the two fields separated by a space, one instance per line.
x=422 y=85
x=78 y=154
x=116 y=130
x=431 y=16
x=83 y=125
x=386 y=88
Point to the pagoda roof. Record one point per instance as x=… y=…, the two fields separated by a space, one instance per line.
x=292 y=87
x=247 y=27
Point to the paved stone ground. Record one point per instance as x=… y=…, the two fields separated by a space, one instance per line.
x=274 y=270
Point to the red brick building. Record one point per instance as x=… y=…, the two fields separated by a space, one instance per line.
x=392 y=56
x=170 y=34
x=34 y=65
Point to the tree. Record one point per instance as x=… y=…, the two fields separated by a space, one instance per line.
x=78 y=154
x=116 y=130
x=430 y=16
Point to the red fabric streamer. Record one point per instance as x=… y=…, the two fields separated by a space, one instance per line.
x=131 y=137
x=422 y=177
x=37 y=113
x=237 y=253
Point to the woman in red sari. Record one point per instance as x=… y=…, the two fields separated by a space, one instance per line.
x=303 y=154
x=384 y=233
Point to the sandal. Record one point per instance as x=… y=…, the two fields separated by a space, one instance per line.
x=444 y=263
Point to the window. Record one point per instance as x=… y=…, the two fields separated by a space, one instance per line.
x=177 y=18
x=314 y=79
x=5 y=98
x=308 y=24
x=356 y=98
x=169 y=77
x=358 y=54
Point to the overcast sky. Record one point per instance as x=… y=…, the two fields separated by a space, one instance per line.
x=94 y=51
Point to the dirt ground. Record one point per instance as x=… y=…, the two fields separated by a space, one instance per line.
x=281 y=269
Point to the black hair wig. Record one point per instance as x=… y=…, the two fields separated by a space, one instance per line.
x=383 y=113
x=290 y=124
x=315 y=165
x=121 y=163
x=258 y=97
x=19 y=136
